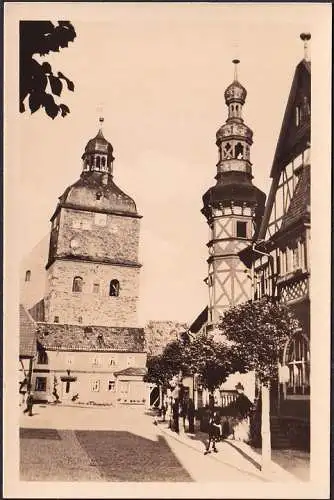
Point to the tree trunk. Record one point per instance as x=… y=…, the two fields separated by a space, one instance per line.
x=265 y=428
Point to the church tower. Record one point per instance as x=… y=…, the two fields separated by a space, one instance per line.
x=93 y=268
x=233 y=208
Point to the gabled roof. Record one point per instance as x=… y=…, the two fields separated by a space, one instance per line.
x=63 y=337
x=299 y=207
x=292 y=140
x=27 y=334
x=132 y=371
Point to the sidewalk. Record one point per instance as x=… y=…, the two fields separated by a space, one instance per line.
x=236 y=454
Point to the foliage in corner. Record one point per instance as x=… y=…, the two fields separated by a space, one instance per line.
x=259 y=331
x=43 y=37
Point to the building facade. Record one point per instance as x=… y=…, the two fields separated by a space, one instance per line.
x=280 y=256
x=90 y=346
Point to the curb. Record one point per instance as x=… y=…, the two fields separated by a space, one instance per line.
x=276 y=473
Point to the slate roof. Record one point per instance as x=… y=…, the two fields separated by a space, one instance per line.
x=132 y=371
x=300 y=204
x=291 y=140
x=201 y=319
x=27 y=334
x=63 y=337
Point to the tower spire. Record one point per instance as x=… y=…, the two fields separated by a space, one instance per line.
x=236 y=62
x=306 y=37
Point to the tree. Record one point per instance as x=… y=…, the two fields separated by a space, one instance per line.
x=213 y=361
x=259 y=331
x=43 y=37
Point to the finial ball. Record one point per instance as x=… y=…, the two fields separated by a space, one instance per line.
x=235 y=61
x=101 y=119
x=305 y=36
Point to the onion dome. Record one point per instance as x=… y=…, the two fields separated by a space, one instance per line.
x=95 y=190
x=235 y=92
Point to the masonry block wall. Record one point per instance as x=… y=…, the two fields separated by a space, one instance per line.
x=100 y=235
x=93 y=305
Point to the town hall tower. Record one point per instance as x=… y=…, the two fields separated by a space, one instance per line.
x=233 y=209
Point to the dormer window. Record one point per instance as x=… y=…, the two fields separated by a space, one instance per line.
x=297 y=116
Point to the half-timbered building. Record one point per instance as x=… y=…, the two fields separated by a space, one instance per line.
x=280 y=256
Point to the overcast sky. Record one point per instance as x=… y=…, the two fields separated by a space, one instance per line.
x=160 y=71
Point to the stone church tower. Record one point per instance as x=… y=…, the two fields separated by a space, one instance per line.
x=233 y=209
x=93 y=268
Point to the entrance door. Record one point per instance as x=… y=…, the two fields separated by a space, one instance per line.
x=68 y=390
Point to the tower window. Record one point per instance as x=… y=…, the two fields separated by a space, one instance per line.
x=80 y=319
x=77 y=284
x=98 y=161
x=239 y=151
x=28 y=275
x=56 y=319
x=241 y=229
x=98 y=195
x=96 y=287
x=111 y=385
x=103 y=161
x=114 y=288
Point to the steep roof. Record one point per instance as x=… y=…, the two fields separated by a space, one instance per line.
x=201 y=319
x=27 y=334
x=292 y=139
x=300 y=204
x=63 y=337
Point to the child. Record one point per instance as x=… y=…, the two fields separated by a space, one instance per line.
x=214 y=432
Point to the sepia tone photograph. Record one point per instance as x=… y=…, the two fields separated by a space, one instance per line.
x=166 y=301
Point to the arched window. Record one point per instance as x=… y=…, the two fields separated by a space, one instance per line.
x=28 y=275
x=297 y=358
x=77 y=284
x=103 y=161
x=114 y=288
x=42 y=357
x=98 y=161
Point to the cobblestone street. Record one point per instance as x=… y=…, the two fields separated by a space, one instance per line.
x=119 y=444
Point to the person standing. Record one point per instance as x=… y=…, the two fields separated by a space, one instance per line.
x=214 y=432
x=191 y=416
x=30 y=403
x=176 y=416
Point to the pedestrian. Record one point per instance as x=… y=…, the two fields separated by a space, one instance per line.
x=176 y=416
x=184 y=413
x=214 y=431
x=191 y=416
x=30 y=403
x=164 y=410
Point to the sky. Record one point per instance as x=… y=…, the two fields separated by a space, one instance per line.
x=160 y=71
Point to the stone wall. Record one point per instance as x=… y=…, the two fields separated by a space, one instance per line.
x=98 y=235
x=94 y=308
